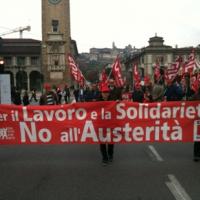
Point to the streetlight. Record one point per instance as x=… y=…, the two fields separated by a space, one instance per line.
x=1 y=66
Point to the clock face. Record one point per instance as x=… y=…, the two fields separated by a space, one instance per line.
x=54 y=1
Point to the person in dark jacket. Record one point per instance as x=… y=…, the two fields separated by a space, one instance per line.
x=95 y=92
x=76 y=94
x=196 y=148
x=91 y=93
x=66 y=93
x=174 y=90
x=138 y=94
x=107 y=150
x=115 y=93
x=25 y=98
x=59 y=95
x=17 y=98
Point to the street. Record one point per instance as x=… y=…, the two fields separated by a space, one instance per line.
x=139 y=172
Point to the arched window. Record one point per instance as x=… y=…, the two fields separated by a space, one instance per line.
x=36 y=80
x=21 y=80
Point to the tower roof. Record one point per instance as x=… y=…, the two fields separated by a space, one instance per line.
x=156 y=41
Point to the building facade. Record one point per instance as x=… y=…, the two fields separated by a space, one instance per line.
x=147 y=57
x=56 y=41
x=22 y=60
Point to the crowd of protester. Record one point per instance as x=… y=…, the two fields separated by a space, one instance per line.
x=177 y=89
x=180 y=88
x=34 y=97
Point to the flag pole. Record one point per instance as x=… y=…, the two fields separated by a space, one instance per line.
x=109 y=74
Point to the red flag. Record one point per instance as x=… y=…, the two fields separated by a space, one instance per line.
x=184 y=83
x=136 y=76
x=190 y=64
x=195 y=86
x=81 y=79
x=194 y=83
x=116 y=70
x=75 y=71
x=103 y=79
x=172 y=71
x=182 y=70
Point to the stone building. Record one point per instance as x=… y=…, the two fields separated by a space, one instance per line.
x=156 y=51
x=23 y=61
x=22 y=58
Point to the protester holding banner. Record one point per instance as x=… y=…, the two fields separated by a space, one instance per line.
x=115 y=92
x=107 y=150
x=196 y=149
x=174 y=90
x=138 y=94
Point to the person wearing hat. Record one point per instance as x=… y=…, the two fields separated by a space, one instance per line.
x=49 y=97
x=106 y=150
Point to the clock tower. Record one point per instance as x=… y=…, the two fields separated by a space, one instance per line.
x=56 y=41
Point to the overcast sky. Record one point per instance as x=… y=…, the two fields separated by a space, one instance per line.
x=98 y=23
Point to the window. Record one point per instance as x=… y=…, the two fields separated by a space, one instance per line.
x=55 y=60
x=21 y=60
x=159 y=59
x=8 y=60
x=35 y=60
x=55 y=24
